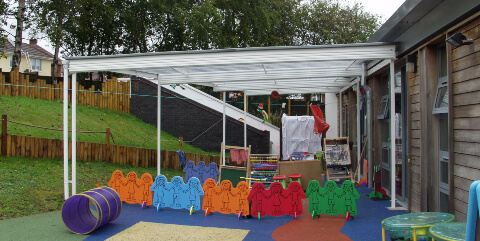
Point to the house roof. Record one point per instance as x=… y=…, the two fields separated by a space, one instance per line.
x=33 y=50
x=256 y=71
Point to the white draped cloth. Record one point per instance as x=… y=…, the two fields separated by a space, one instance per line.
x=298 y=136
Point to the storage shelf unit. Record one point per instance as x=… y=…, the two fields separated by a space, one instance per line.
x=264 y=166
x=337 y=158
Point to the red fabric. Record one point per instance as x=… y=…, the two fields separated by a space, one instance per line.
x=320 y=125
x=239 y=156
x=235 y=153
x=243 y=155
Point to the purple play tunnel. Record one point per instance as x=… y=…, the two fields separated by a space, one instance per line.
x=77 y=214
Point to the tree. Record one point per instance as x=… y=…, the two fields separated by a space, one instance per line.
x=203 y=24
x=50 y=16
x=92 y=28
x=257 y=23
x=17 y=54
x=3 y=35
x=331 y=22
x=136 y=21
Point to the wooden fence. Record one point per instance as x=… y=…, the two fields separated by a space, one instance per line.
x=115 y=95
x=39 y=147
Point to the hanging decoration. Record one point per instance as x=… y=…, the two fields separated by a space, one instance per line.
x=264 y=114
x=275 y=94
x=233 y=96
x=320 y=125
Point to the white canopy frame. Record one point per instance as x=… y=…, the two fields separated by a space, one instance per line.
x=255 y=71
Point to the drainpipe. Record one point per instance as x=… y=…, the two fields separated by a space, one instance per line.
x=368 y=125
x=368 y=95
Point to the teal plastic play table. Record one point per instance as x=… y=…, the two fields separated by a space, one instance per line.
x=413 y=225
x=453 y=231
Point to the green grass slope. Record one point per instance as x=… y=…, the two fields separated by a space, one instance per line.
x=31 y=186
x=125 y=128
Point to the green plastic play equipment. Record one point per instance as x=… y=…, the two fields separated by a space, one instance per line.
x=332 y=200
x=375 y=194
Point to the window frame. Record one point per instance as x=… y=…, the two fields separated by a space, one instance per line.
x=443 y=157
x=383 y=114
x=36 y=68
x=442 y=82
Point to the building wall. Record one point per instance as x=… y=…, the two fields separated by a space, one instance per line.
x=185 y=118
x=466 y=115
x=376 y=139
x=415 y=138
x=45 y=71
x=423 y=135
x=5 y=64
x=349 y=107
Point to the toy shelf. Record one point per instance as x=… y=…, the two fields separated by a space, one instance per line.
x=264 y=166
x=337 y=158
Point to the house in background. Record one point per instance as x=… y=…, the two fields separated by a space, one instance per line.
x=437 y=106
x=34 y=59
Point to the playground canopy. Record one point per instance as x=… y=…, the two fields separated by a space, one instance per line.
x=255 y=71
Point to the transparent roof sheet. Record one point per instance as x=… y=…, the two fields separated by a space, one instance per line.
x=253 y=70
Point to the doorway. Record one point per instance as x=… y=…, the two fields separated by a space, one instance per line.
x=400 y=134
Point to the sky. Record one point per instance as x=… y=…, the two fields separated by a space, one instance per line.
x=384 y=8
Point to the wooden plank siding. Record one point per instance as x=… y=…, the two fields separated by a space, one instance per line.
x=20 y=85
x=414 y=134
x=39 y=147
x=466 y=117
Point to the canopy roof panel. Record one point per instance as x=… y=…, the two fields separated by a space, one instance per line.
x=256 y=71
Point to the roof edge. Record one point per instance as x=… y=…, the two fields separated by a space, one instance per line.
x=232 y=50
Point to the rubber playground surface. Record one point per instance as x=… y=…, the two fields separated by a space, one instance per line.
x=135 y=223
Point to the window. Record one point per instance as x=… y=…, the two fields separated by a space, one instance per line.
x=36 y=65
x=316 y=97
x=443 y=162
x=441 y=98
x=383 y=108
x=440 y=108
x=11 y=61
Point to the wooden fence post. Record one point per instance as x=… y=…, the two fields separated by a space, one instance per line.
x=107 y=140
x=108 y=151
x=180 y=143
x=4 y=135
x=289 y=105
x=308 y=107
